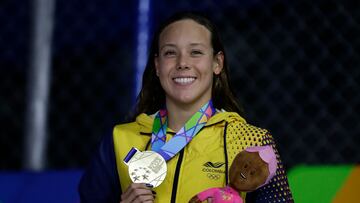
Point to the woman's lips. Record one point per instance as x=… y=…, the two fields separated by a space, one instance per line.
x=184 y=80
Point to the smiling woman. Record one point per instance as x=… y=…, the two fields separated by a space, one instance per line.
x=187 y=114
x=185 y=66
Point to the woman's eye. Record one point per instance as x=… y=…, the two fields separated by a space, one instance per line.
x=169 y=53
x=196 y=52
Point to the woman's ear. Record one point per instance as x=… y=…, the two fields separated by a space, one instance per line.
x=218 y=63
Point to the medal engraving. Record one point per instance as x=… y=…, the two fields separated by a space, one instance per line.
x=156 y=165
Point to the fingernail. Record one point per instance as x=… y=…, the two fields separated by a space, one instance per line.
x=149 y=185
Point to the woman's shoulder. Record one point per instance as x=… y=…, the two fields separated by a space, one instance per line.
x=238 y=128
x=142 y=122
x=225 y=116
x=234 y=120
x=247 y=128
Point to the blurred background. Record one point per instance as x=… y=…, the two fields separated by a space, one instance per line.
x=71 y=70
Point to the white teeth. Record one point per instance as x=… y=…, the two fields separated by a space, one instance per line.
x=184 y=80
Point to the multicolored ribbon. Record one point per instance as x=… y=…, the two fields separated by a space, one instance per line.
x=183 y=136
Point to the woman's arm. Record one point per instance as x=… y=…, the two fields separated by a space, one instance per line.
x=100 y=181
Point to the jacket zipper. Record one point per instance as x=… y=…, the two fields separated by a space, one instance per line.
x=176 y=176
x=225 y=156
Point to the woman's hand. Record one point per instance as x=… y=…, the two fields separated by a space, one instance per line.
x=138 y=192
x=195 y=199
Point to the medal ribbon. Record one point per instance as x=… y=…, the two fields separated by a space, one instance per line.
x=183 y=136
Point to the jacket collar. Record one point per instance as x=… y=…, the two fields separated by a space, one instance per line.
x=146 y=121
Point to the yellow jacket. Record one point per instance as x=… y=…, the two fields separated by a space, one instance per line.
x=203 y=163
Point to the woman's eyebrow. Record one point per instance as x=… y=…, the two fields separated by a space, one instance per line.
x=197 y=44
x=167 y=45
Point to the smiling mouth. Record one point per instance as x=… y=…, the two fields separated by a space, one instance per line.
x=242 y=175
x=184 y=80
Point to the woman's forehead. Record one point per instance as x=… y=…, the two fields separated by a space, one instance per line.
x=186 y=31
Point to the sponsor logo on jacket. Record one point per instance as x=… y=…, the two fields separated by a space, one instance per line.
x=213 y=170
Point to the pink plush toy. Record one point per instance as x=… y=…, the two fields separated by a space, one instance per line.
x=251 y=169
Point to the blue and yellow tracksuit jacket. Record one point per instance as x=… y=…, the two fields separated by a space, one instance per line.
x=202 y=164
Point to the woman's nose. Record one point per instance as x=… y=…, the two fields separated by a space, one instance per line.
x=182 y=67
x=182 y=62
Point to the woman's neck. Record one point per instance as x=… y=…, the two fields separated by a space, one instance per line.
x=178 y=115
x=177 y=120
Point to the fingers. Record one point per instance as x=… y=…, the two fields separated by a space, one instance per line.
x=138 y=192
x=195 y=199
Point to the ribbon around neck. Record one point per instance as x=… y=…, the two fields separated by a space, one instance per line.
x=183 y=136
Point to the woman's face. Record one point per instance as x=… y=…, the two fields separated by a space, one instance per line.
x=186 y=63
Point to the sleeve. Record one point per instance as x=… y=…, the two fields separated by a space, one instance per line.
x=207 y=193
x=100 y=181
x=277 y=190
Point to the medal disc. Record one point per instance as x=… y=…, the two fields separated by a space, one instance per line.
x=147 y=167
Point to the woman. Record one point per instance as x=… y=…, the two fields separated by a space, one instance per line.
x=186 y=92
